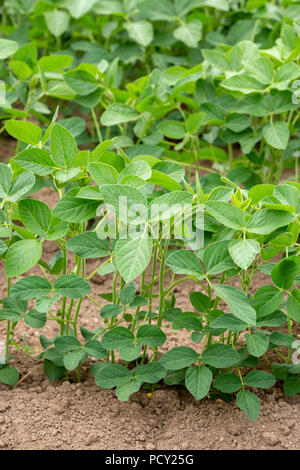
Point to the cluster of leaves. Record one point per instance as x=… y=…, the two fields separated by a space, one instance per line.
x=242 y=232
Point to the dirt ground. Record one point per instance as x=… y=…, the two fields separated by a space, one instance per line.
x=39 y=415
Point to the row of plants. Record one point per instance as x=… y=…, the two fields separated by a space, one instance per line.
x=156 y=33
x=127 y=210
x=240 y=100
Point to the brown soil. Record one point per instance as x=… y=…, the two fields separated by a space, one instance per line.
x=36 y=414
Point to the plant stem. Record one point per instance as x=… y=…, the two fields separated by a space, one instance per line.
x=97 y=127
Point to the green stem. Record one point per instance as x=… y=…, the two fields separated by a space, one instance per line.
x=97 y=127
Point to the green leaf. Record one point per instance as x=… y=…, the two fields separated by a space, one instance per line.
x=243 y=83
x=9 y=375
x=35 y=319
x=66 y=343
x=36 y=160
x=72 y=286
x=293 y=305
x=277 y=134
x=185 y=262
x=188 y=320
x=54 y=63
x=216 y=58
x=151 y=335
x=229 y=322
x=74 y=209
x=276 y=319
x=20 y=69
x=216 y=258
x=116 y=338
x=257 y=343
x=264 y=221
x=139 y=169
x=228 y=383
x=194 y=122
x=169 y=205
x=291 y=385
x=228 y=215
x=118 y=113
x=260 y=379
x=7 y=48
x=178 y=358
x=220 y=356
x=151 y=373
x=282 y=339
x=287 y=195
x=81 y=81
x=10 y=315
x=124 y=390
x=22 y=256
x=110 y=311
x=3 y=247
x=189 y=33
x=95 y=349
x=5 y=179
x=266 y=300
x=130 y=351
x=261 y=69
x=63 y=146
x=88 y=245
x=127 y=294
x=243 y=252
x=35 y=215
x=259 y=191
x=73 y=359
x=103 y=173
x=67 y=174
x=237 y=122
x=16 y=305
x=172 y=129
x=175 y=377
x=112 y=194
x=25 y=131
x=57 y=229
x=133 y=256
x=285 y=272
x=237 y=302
x=57 y=22
x=54 y=356
x=21 y=186
x=249 y=403
x=78 y=8
x=52 y=371
x=140 y=31
x=112 y=375
x=286 y=73
x=198 y=381
x=200 y=302
x=44 y=303
x=30 y=287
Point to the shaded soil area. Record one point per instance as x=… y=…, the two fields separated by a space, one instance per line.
x=36 y=414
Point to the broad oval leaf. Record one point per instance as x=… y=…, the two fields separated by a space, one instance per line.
x=198 y=381
x=72 y=286
x=22 y=256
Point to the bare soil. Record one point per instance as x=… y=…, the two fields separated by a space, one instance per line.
x=36 y=414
